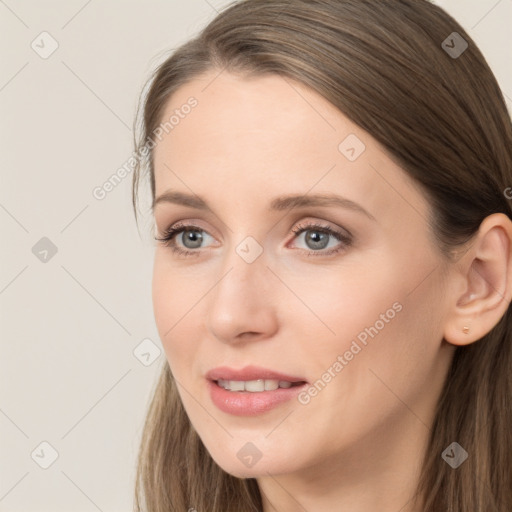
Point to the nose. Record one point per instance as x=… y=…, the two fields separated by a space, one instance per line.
x=242 y=305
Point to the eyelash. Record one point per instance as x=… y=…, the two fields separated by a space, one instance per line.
x=169 y=235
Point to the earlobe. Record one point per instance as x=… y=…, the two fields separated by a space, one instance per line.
x=486 y=270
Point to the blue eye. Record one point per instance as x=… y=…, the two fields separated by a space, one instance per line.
x=318 y=237
x=193 y=235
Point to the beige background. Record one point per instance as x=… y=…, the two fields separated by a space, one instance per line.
x=70 y=325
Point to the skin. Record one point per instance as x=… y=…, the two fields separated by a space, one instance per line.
x=358 y=444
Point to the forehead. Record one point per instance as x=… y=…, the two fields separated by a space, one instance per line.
x=262 y=136
x=264 y=114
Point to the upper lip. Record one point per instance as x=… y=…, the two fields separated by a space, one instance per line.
x=249 y=373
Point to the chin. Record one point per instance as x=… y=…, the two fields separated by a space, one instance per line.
x=255 y=468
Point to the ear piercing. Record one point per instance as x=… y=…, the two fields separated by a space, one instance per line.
x=465 y=329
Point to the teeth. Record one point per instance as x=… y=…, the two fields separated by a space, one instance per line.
x=237 y=385
x=253 y=386
x=270 y=385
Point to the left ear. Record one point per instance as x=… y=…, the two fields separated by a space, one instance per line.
x=485 y=278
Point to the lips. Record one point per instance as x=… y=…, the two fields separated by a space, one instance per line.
x=252 y=390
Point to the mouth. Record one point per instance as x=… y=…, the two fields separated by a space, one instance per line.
x=256 y=386
x=252 y=390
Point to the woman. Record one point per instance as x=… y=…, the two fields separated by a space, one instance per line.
x=332 y=274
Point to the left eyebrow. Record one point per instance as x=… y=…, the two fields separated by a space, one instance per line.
x=278 y=204
x=302 y=201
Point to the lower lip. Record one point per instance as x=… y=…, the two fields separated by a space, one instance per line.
x=246 y=403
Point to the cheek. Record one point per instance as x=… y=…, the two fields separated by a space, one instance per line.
x=387 y=369
x=381 y=319
x=346 y=300
x=399 y=361
x=174 y=298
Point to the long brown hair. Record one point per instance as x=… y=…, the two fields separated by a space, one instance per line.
x=442 y=117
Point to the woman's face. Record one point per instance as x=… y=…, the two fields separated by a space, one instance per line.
x=336 y=296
